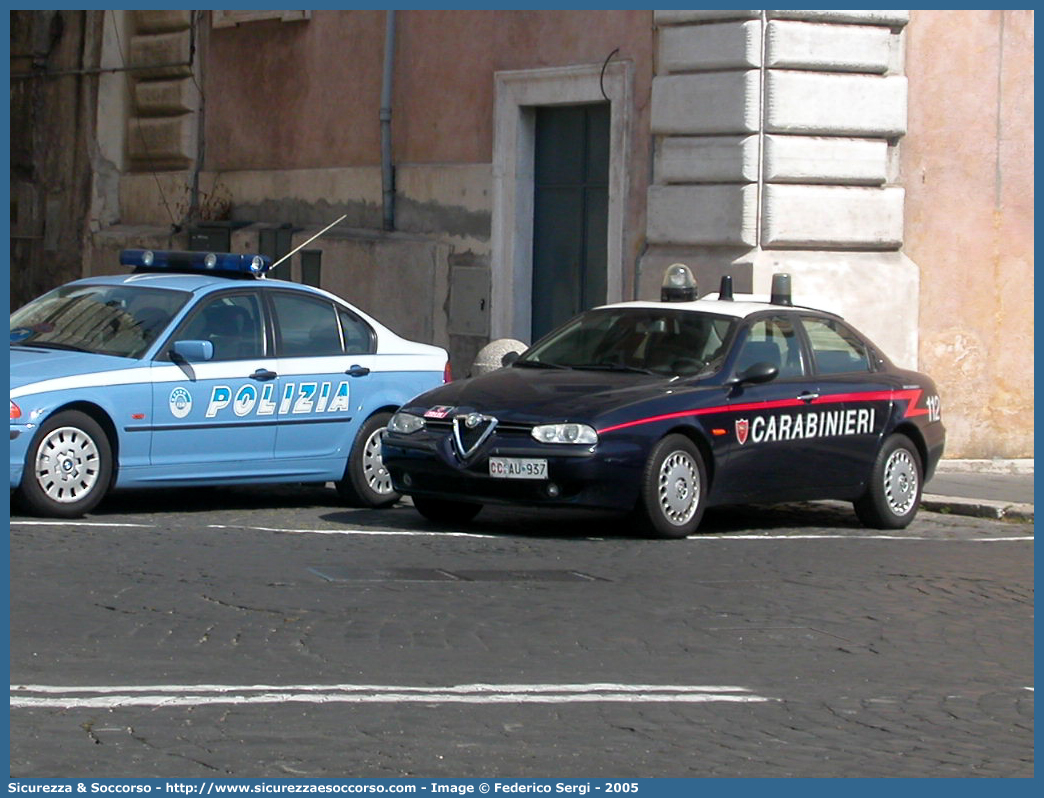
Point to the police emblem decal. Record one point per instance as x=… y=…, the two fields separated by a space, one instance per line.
x=742 y=428
x=180 y=402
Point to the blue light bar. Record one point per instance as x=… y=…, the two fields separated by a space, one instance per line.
x=224 y=263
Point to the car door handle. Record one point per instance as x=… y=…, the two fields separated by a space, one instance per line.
x=808 y=397
x=263 y=375
x=357 y=371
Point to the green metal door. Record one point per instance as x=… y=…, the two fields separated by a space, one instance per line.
x=570 y=214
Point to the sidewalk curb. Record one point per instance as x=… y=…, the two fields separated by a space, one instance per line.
x=995 y=466
x=978 y=508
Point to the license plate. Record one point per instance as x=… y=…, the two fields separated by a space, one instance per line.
x=518 y=467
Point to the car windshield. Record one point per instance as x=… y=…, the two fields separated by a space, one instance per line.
x=115 y=320
x=666 y=342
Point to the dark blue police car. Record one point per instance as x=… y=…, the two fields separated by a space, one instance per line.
x=662 y=409
x=193 y=370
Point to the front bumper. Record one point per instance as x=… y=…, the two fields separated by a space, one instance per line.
x=21 y=434
x=603 y=476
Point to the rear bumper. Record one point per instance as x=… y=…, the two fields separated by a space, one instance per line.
x=935 y=444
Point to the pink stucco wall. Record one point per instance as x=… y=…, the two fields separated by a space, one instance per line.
x=967 y=166
x=290 y=95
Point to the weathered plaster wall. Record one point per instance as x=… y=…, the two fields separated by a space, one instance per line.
x=293 y=135
x=51 y=134
x=967 y=165
x=293 y=95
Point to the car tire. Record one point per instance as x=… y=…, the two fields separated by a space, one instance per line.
x=366 y=482
x=673 y=489
x=893 y=494
x=444 y=511
x=68 y=467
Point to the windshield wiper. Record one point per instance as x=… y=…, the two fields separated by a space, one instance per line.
x=614 y=367
x=539 y=364
x=51 y=345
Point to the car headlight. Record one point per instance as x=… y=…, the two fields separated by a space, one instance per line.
x=565 y=433
x=405 y=423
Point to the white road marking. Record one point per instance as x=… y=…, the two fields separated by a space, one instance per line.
x=861 y=537
x=444 y=534
x=692 y=538
x=80 y=523
x=99 y=697
x=458 y=688
x=390 y=532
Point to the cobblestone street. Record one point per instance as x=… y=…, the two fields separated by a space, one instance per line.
x=248 y=634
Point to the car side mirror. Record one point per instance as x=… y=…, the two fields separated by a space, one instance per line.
x=191 y=351
x=509 y=358
x=755 y=374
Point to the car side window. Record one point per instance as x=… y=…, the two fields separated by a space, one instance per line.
x=307 y=326
x=835 y=348
x=358 y=337
x=232 y=323
x=774 y=341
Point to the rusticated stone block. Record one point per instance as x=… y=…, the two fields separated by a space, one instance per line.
x=892 y=18
x=831 y=48
x=805 y=159
x=840 y=105
x=718 y=102
x=162 y=21
x=693 y=48
x=681 y=17
x=162 y=55
x=161 y=142
x=707 y=159
x=165 y=97
x=833 y=216
x=715 y=215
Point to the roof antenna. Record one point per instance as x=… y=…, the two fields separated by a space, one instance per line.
x=306 y=243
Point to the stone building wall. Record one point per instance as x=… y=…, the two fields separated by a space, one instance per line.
x=54 y=57
x=883 y=158
x=776 y=138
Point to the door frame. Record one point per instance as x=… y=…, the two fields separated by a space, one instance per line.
x=517 y=94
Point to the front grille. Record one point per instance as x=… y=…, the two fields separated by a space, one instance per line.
x=446 y=425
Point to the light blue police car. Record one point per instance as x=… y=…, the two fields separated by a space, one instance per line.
x=194 y=370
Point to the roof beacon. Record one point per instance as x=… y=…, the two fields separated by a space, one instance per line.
x=678 y=284
x=224 y=263
x=781 y=290
x=725 y=292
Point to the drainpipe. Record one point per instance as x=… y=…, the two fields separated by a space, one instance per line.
x=387 y=169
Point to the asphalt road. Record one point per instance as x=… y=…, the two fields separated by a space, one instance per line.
x=237 y=633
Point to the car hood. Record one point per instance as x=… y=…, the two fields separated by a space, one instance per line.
x=34 y=364
x=527 y=395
